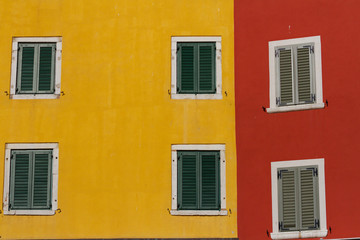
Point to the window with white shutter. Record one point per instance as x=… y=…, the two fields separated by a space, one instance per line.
x=298 y=195
x=295 y=74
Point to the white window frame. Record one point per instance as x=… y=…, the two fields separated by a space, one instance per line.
x=14 y=63
x=218 y=76
x=55 y=168
x=317 y=73
x=198 y=147
x=322 y=232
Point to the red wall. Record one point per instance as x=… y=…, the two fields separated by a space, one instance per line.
x=332 y=133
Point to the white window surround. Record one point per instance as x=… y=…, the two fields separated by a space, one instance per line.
x=322 y=232
x=14 y=62
x=198 y=147
x=218 y=80
x=318 y=75
x=55 y=166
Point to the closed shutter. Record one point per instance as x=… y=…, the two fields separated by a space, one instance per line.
x=304 y=75
x=46 y=68
x=298 y=198
x=286 y=77
x=20 y=180
x=187 y=180
x=26 y=69
x=206 y=76
x=186 y=68
x=42 y=179
x=209 y=180
x=308 y=198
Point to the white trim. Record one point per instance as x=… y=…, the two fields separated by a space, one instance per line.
x=322 y=232
x=318 y=74
x=55 y=176
x=218 y=80
x=198 y=147
x=198 y=212
x=14 y=62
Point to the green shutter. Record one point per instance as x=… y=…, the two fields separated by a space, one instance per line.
x=209 y=180
x=287 y=199
x=186 y=68
x=304 y=75
x=46 y=68
x=187 y=180
x=42 y=179
x=308 y=198
x=20 y=183
x=26 y=70
x=286 y=76
x=206 y=76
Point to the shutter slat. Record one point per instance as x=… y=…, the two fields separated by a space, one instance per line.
x=286 y=79
x=288 y=199
x=187 y=69
x=20 y=197
x=209 y=180
x=27 y=69
x=303 y=73
x=307 y=198
x=45 y=68
x=41 y=184
x=206 y=68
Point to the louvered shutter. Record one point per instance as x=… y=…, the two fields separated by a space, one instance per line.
x=26 y=68
x=209 y=180
x=46 y=67
x=42 y=161
x=20 y=180
x=287 y=200
x=308 y=198
x=186 y=68
x=187 y=180
x=286 y=80
x=206 y=66
x=304 y=76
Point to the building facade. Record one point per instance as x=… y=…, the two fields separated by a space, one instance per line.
x=117 y=119
x=296 y=118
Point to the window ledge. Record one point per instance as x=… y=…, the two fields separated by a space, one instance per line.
x=34 y=96
x=29 y=212
x=299 y=234
x=196 y=96
x=198 y=212
x=295 y=108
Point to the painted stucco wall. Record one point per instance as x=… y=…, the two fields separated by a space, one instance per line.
x=331 y=133
x=116 y=122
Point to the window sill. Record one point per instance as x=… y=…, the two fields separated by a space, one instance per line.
x=299 y=234
x=29 y=212
x=198 y=212
x=34 y=96
x=295 y=108
x=196 y=96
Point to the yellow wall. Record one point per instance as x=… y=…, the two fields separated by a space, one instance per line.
x=116 y=122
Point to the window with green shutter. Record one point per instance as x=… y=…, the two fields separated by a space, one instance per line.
x=30 y=179
x=295 y=75
x=196 y=69
x=198 y=180
x=298 y=193
x=36 y=68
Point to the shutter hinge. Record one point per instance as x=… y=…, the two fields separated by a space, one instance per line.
x=279 y=173
x=277 y=53
x=177 y=49
x=313 y=97
x=315 y=171
x=317 y=223
x=12 y=156
x=178 y=206
x=17 y=90
x=177 y=89
x=312 y=49
x=278 y=101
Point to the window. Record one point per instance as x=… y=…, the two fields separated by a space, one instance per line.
x=36 y=68
x=196 y=68
x=31 y=179
x=295 y=74
x=198 y=180
x=298 y=195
